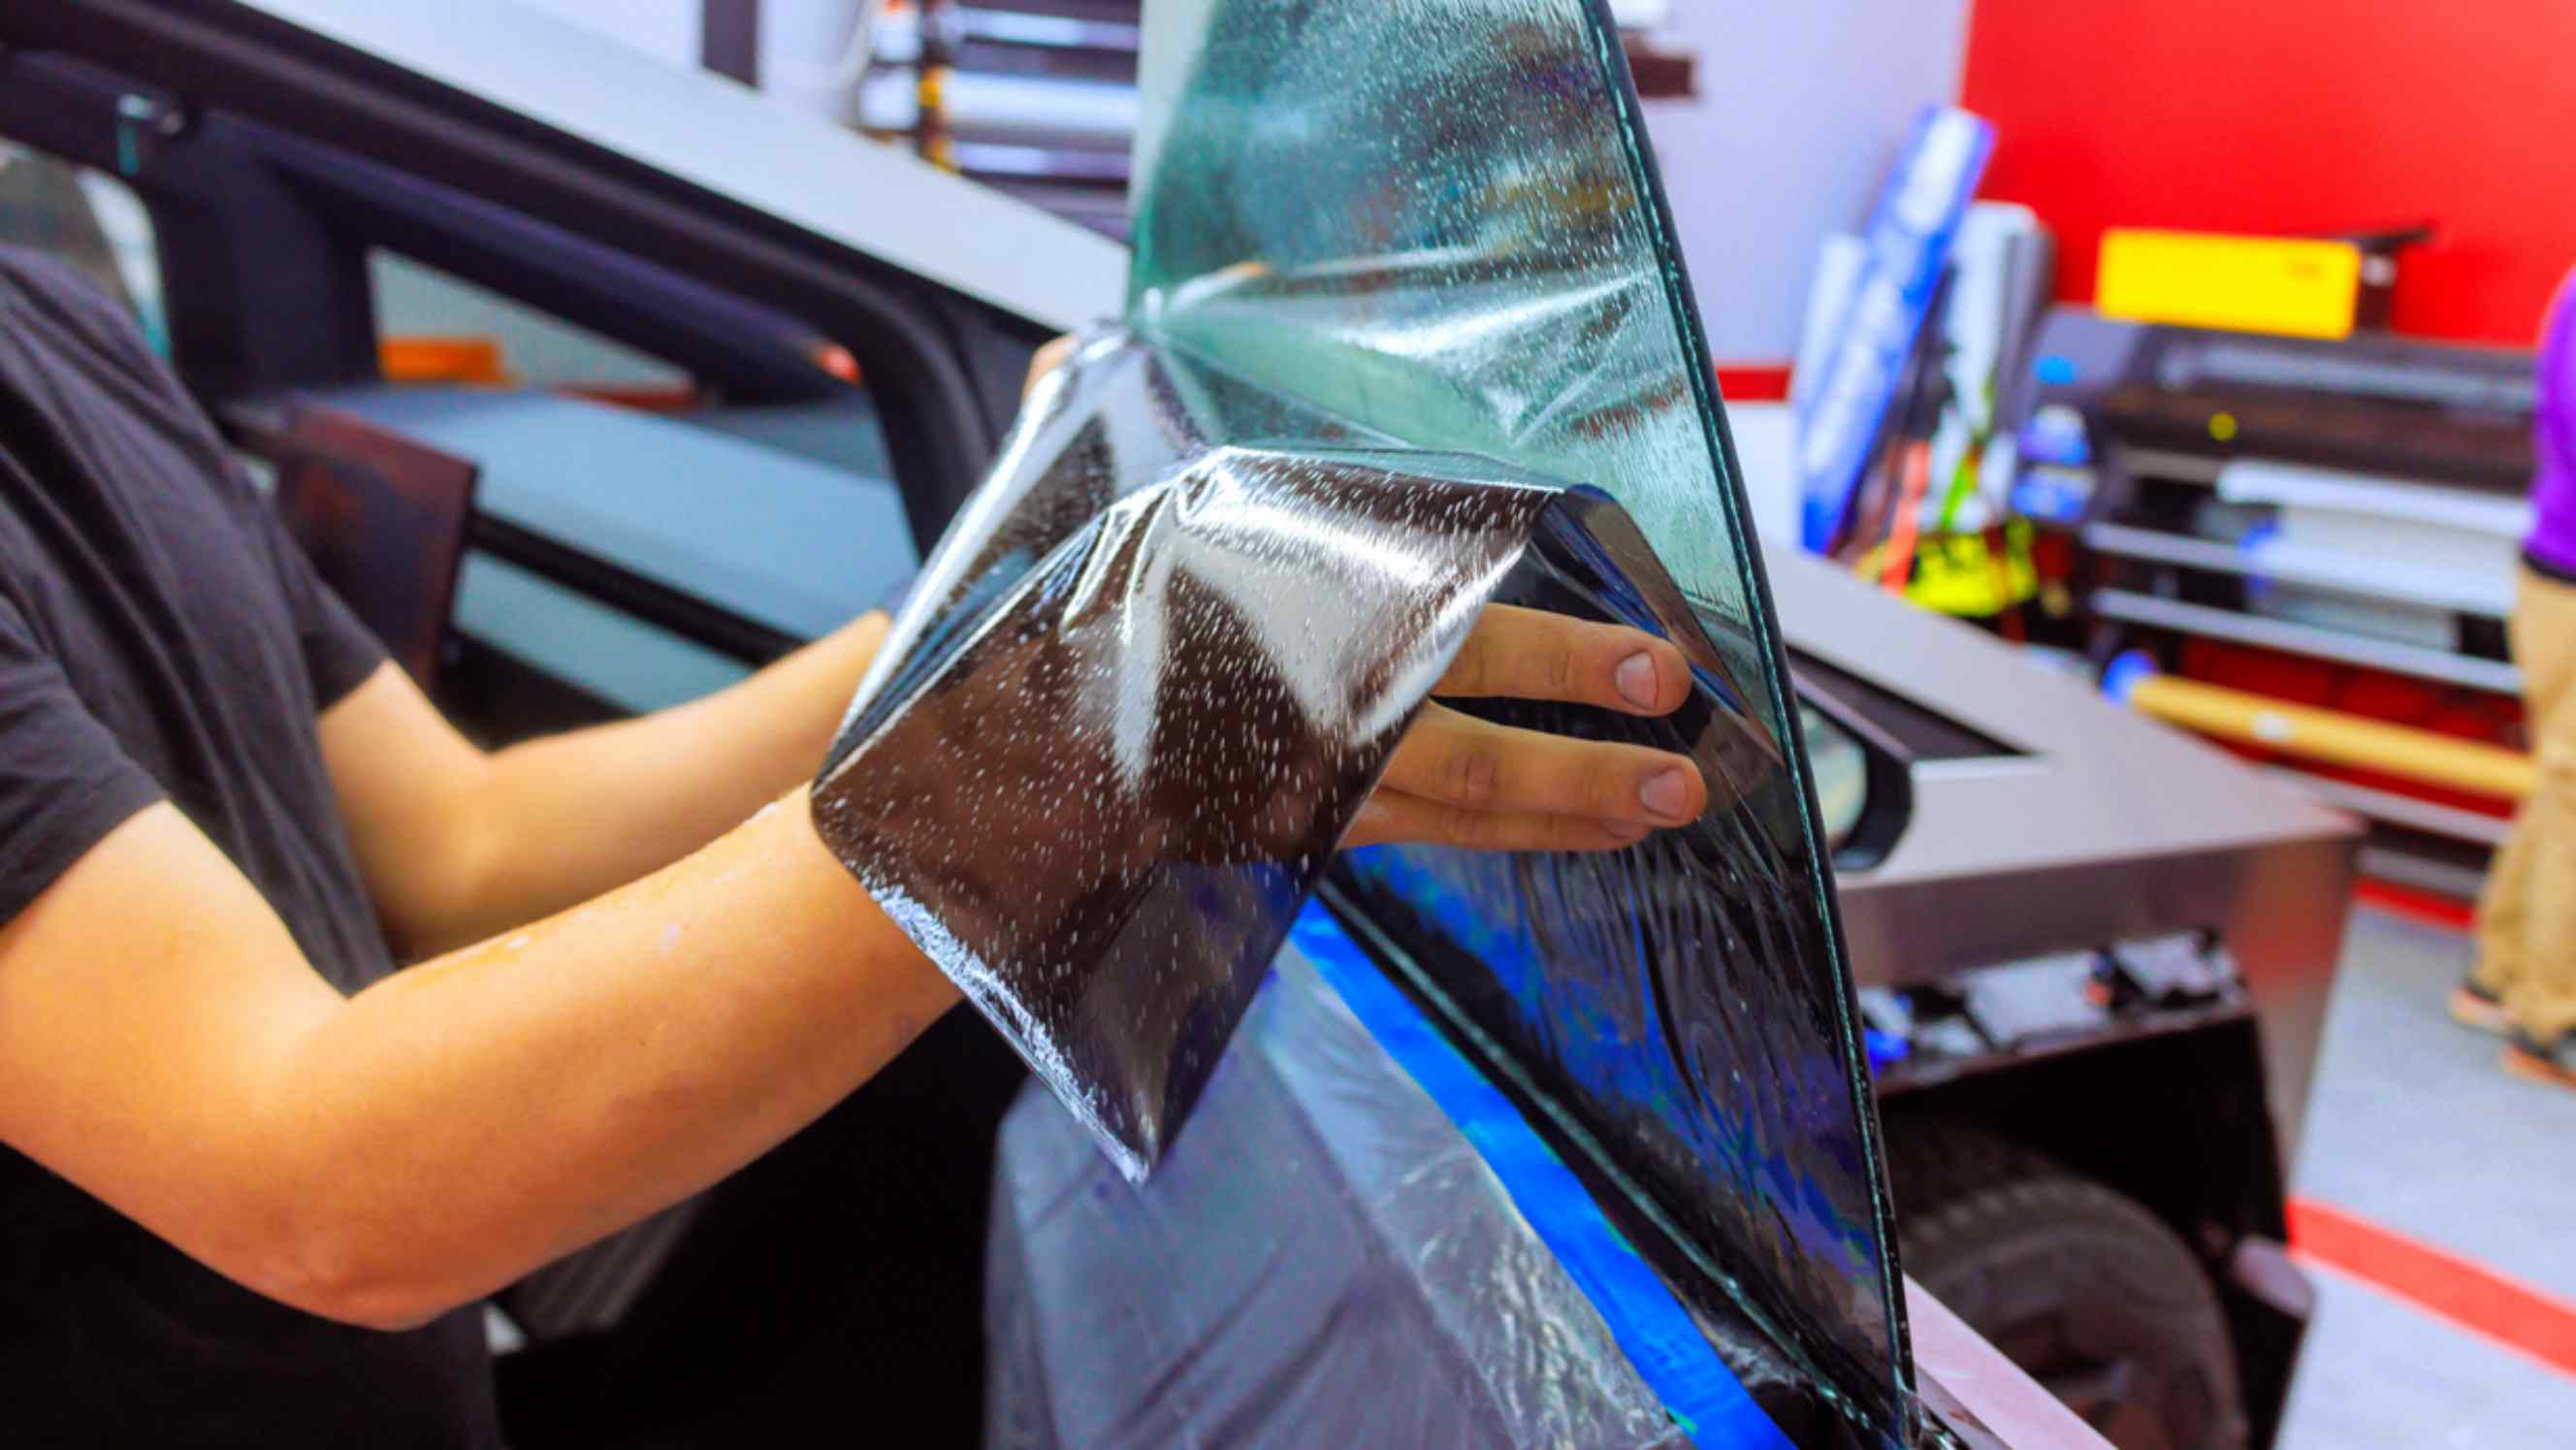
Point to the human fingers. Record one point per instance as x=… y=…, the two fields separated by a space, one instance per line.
x=1477 y=765
x=1392 y=816
x=1533 y=654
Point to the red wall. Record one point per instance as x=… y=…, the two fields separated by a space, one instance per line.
x=2298 y=115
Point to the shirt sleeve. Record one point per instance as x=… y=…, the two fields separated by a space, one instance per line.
x=64 y=781
x=2555 y=429
x=340 y=652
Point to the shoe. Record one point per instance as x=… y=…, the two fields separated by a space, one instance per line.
x=2475 y=1006
x=2555 y=1063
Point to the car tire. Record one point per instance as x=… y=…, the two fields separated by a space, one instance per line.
x=2080 y=1285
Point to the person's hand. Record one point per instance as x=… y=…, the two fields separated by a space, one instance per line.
x=1457 y=780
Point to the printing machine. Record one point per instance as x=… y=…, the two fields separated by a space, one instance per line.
x=2091 y=951
x=2356 y=505
x=2378 y=403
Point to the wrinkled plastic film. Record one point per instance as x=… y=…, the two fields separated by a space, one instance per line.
x=1368 y=1283
x=1141 y=690
x=1402 y=280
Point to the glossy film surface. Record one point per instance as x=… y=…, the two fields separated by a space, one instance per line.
x=1405 y=336
x=1142 y=688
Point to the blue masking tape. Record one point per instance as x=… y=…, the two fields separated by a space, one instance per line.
x=1703 y=1396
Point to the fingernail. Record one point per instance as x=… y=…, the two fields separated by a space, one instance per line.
x=1626 y=830
x=1637 y=681
x=1666 y=793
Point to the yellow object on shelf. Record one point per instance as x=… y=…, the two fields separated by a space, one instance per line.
x=1969 y=575
x=2296 y=288
x=2334 y=737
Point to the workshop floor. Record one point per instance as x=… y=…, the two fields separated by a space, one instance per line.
x=2439 y=1219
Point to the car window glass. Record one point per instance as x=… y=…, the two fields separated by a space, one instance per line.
x=440 y=329
x=1474 y=256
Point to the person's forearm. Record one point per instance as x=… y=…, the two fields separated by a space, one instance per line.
x=471 y=1119
x=570 y=816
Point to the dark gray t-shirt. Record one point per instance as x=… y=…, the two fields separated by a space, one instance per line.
x=161 y=638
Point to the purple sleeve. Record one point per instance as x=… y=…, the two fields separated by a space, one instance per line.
x=2553 y=444
x=2556 y=442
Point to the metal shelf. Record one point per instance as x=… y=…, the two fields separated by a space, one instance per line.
x=2405 y=868
x=2430 y=817
x=2303 y=639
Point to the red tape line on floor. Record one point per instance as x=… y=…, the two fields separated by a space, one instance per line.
x=2427 y=908
x=2439 y=1282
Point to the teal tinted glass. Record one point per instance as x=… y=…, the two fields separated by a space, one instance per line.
x=1438 y=221
x=1432 y=217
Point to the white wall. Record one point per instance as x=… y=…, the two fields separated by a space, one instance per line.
x=1801 y=106
x=664 y=29
x=806 y=56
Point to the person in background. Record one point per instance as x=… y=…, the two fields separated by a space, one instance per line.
x=254 y=1180
x=2524 y=982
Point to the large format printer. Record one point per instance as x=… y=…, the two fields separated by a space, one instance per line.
x=2332 y=522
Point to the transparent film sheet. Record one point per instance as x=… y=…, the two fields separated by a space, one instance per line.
x=1404 y=320
x=1404 y=1300
x=1139 y=693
